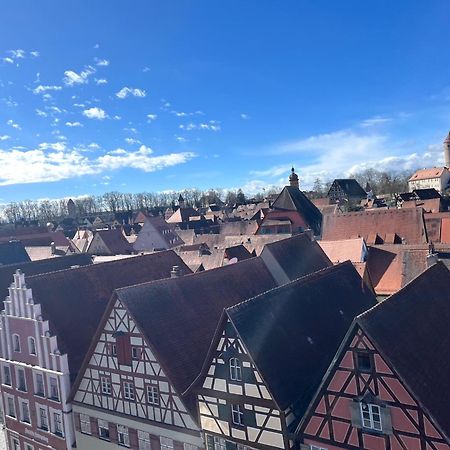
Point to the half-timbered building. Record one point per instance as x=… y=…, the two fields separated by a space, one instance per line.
x=269 y=355
x=149 y=348
x=388 y=386
x=46 y=329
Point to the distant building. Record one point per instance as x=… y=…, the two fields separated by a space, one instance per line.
x=346 y=190
x=108 y=243
x=435 y=178
x=71 y=209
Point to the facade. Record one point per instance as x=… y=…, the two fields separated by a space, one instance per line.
x=108 y=243
x=386 y=388
x=255 y=384
x=435 y=178
x=156 y=234
x=346 y=190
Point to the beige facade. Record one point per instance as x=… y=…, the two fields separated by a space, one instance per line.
x=436 y=178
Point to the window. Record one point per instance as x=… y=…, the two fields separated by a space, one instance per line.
x=128 y=390
x=113 y=349
x=24 y=411
x=364 y=362
x=144 y=440
x=219 y=443
x=32 y=346
x=190 y=446
x=16 y=342
x=39 y=384
x=6 y=375
x=237 y=415
x=235 y=369
x=135 y=352
x=106 y=385
x=57 y=424
x=122 y=435
x=29 y=447
x=85 y=424
x=166 y=443
x=371 y=416
x=15 y=444
x=21 y=383
x=54 y=392
x=153 y=395
x=315 y=447
x=11 y=407
x=43 y=419
x=103 y=429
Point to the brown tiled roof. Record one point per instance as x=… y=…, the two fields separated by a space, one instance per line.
x=411 y=329
x=293 y=332
x=425 y=174
x=179 y=316
x=237 y=251
x=115 y=241
x=445 y=230
x=182 y=215
x=240 y=227
x=407 y=223
x=74 y=300
x=431 y=205
x=347 y=249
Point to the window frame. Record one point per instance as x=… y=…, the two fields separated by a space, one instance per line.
x=16 y=340
x=36 y=376
x=10 y=398
x=21 y=388
x=23 y=402
x=136 y=353
x=56 y=414
x=154 y=395
x=237 y=411
x=15 y=443
x=235 y=369
x=85 y=420
x=56 y=398
x=219 y=443
x=123 y=431
x=6 y=368
x=144 y=441
x=105 y=385
x=40 y=409
x=32 y=346
x=103 y=425
x=360 y=366
x=316 y=447
x=166 y=443
x=372 y=423
x=128 y=390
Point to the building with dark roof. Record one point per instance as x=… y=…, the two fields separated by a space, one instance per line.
x=388 y=385
x=109 y=242
x=46 y=329
x=13 y=252
x=269 y=355
x=346 y=190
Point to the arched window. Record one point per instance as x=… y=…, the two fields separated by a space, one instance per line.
x=235 y=369
x=16 y=342
x=32 y=346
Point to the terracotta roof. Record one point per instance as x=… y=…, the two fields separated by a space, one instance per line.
x=407 y=223
x=74 y=300
x=293 y=332
x=293 y=199
x=425 y=174
x=179 y=315
x=432 y=205
x=182 y=215
x=298 y=256
x=241 y=227
x=115 y=241
x=411 y=329
x=347 y=249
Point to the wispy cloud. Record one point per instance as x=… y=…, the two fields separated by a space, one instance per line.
x=151 y=117
x=95 y=113
x=100 y=81
x=132 y=141
x=245 y=116
x=17 y=54
x=72 y=78
x=212 y=125
x=57 y=146
x=13 y=124
x=8 y=60
x=4 y=137
x=101 y=62
x=35 y=54
x=374 y=121
x=187 y=114
x=74 y=124
x=127 y=91
x=41 y=89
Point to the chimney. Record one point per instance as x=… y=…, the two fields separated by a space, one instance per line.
x=53 y=247
x=175 y=272
x=432 y=257
x=447 y=151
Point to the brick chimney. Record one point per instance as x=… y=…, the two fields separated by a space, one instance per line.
x=176 y=272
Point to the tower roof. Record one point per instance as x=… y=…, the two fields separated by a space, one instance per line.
x=447 y=139
x=293 y=178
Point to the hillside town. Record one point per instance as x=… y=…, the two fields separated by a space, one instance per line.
x=290 y=322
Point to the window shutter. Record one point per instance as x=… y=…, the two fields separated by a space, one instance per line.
x=94 y=427
x=224 y=412
x=123 y=345
x=355 y=412
x=112 y=432
x=386 y=422
x=209 y=442
x=249 y=418
x=134 y=443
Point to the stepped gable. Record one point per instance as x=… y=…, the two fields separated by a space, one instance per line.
x=411 y=329
x=377 y=226
x=74 y=300
x=293 y=332
x=179 y=316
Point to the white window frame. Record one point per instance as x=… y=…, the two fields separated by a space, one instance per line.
x=106 y=385
x=59 y=432
x=136 y=352
x=103 y=425
x=36 y=375
x=39 y=409
x=28 y=446
x=50 y=393
x=8 y=404
x=235 y=369
x=368 y=416
x=32 y=345
x=21 y=370
x=315 y=447
x=187 y=446
x=123 y=435
x=128 y=390
x=237 y=415
x=152 y=395
x=144 y=442
x=27 y=403
x=15 y=443
x=16 y=340
x=85 y=424
x=166 y=443
x=219 y=443
x=5 y=368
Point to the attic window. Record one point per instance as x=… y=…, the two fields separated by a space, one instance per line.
x=364 y=362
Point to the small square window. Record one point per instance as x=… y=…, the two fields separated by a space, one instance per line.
x=128 y=390
x=135 y=352
x=364 y=362
x=153 y=395
x=371 y=416
x=105 y=383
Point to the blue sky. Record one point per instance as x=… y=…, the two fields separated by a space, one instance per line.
x=157 y=95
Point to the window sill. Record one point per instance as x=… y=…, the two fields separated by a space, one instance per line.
x=40 y=394
x=54 y=399
x=105 y=438
x=22 y=389
x=58 y=434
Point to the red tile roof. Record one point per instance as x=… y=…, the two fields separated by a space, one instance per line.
x=408 y=224
x=425 y=174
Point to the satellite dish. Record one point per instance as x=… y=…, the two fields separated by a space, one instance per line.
x=233 y=261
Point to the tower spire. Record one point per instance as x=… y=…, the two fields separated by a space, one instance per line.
x=293 y=179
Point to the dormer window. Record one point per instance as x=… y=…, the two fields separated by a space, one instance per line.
x=32 y=346
x=16 y=343
x=235 y=369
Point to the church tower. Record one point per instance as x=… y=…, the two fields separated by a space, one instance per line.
x=293 y=179
x=447 y=151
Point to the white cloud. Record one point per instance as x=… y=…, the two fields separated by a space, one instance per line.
x=95 y=113
x=72 y=78
x=132 y=141
x=17 y=54
x=146 y=69
x=151 y=117
x=102 y=62
x=187 y=114
x=74 y=124
x=101 y=81
x=41 y=88
x=93 y=146
x=96 y=46
x=4 y=137
x=56 y=146
x=117 y=117
x=13 y=124
x=35 y=54
x=8 y=60
x=41 y=113
x=126 y=91
x=373 y=121
x=245 y=116
x=212 y=125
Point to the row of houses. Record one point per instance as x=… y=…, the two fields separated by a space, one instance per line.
x=280 y=351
